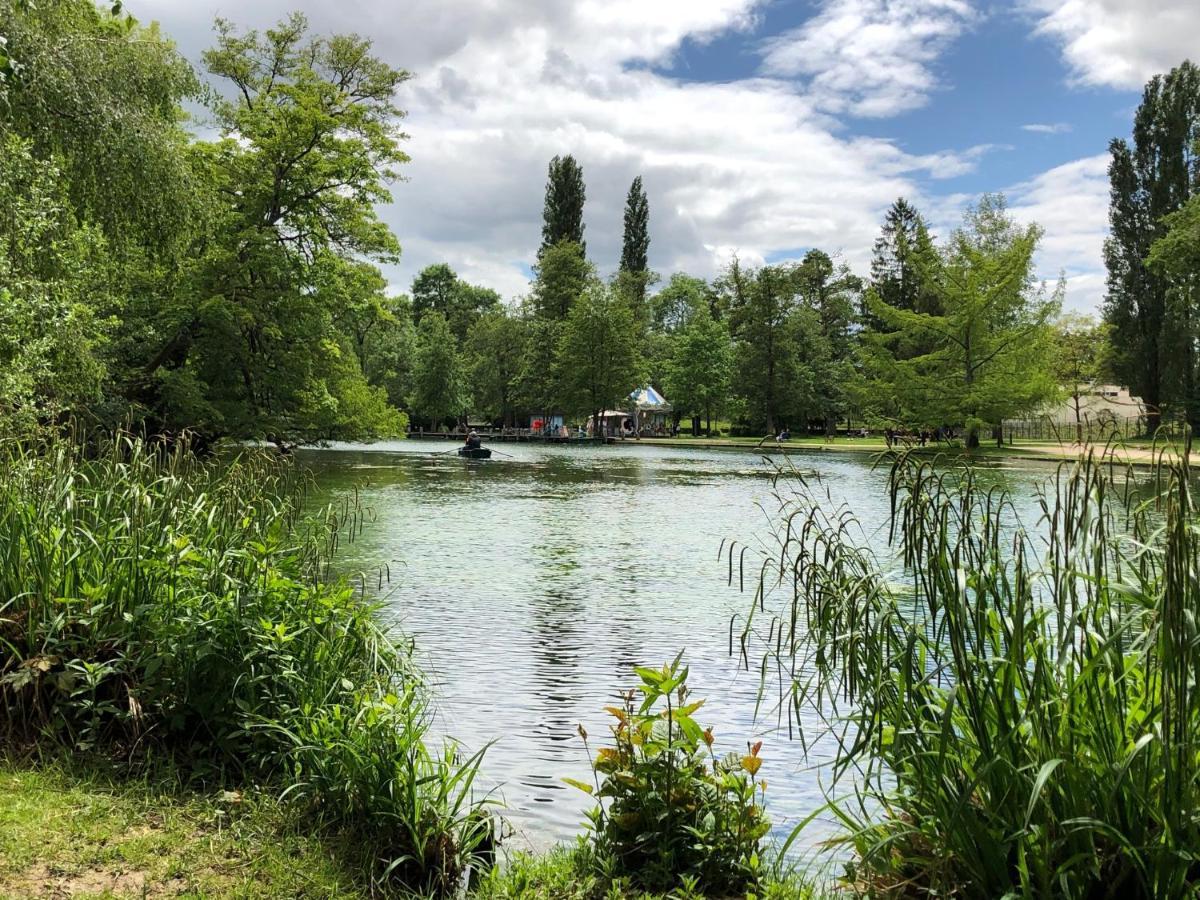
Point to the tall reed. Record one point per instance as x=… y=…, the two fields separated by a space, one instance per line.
x=1016 y=712
x=154 y=601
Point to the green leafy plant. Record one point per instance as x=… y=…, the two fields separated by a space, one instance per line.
x=673 y=815
x=154 y=601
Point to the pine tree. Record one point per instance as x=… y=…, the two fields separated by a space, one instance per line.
x=894 y=265
x=1153 y=327
x=562 y=216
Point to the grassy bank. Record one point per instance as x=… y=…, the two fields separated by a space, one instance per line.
x=70 y=832
x=73 y=830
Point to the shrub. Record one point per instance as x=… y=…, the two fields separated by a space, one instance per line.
x=671 y=812
x=150 y=599
x=1016 y=713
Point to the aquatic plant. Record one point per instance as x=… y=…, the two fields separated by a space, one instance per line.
x=673 y=815
x=1015 y=712
x=151 y=601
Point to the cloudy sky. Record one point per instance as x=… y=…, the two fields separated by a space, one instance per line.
x=761 y=127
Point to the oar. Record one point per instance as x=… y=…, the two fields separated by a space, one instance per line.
x=502 y=453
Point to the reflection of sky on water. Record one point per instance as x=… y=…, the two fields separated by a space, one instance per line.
x=533 y=582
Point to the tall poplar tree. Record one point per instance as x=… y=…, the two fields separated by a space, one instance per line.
x=636 y=244
x=1153 y=327
x=562 y=215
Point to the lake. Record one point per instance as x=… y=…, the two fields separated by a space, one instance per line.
x=533 y=583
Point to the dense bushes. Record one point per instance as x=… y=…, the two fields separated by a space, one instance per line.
x=153 y=601
x=672 y=813
x=1017 y=715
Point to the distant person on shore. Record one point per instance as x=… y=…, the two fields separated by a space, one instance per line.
x=473 y=442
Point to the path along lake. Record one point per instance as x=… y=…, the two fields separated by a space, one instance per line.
x=532 y=584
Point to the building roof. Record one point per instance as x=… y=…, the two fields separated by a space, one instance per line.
x=647 y=398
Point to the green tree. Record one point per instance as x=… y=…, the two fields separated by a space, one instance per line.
x=562 y=216
x=389 y=351
x=771 y=330
x=497 y=350
x=101 y=95
x=1154 y=329
x=681 y=298
x=832 y=293
x=438 y=287
x=560 y=277
x=53 y=272
x=310 y=140
x=698 y=378
x=439 y=392
x=990 y=344
x=1081 y=360
x=895 y=264
x=597 y=352
x=635 y=245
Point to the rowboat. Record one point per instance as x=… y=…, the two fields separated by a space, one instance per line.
x=475 y=452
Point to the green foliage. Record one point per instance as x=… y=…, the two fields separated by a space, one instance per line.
x=575 y=872
x=560 y=277
x=309 y=141
x=776 y=340
x=635 y=244
x=100 y=96
x=831 y=293
x=55 y=279
x=154 y=601
x=439 y=392
x=672 y=813
x=597 y=362
x=439 y=289
x=1081 y=361
x=497 y=345
x=1014 y=714
x=698 y=376
x=1153 y=325
x=683 y=296
x=562 y=216
x=984 y=355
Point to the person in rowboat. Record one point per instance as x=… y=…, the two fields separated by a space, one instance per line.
x=473 y=442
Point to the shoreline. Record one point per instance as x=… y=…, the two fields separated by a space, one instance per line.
x=1142 y=457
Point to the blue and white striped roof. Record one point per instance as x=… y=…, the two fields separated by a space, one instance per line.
x=648 y=398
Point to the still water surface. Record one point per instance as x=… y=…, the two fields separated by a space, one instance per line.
x=533 y=583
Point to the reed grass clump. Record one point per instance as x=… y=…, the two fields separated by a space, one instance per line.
x=154 y=602
x=1017 y=711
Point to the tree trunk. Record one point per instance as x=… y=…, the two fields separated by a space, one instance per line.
x=830 y=426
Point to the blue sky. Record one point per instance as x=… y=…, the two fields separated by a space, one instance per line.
x=760 y=127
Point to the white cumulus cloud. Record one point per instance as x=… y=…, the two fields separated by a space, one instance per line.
x=870 y=57
x=1119 y=43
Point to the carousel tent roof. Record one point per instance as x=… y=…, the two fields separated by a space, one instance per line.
x=648 y=399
